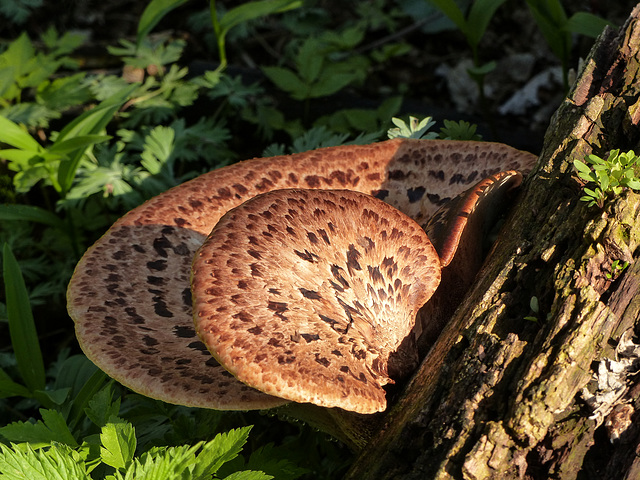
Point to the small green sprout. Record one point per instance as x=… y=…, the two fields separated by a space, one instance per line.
x=415 y=129
x=616 y=269
x=610 y=176
x=535 y=308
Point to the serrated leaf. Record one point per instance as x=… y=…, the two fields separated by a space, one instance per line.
x=288 y=81
x=18 y=55
x=62 y=93
x=223 y=448
x=101 y=407
x=58 y=462
x=118 y=444
x=7 y=75
x=52 y=428
x=61 y=45
x=329 y=83
x=158 y=147
x=248 y=475
x=22 y=330
x=309 y=61
x=160 y=463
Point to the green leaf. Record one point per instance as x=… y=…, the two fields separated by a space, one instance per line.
x=252 y=10
x=582 y=167
x=79 y=375
x=12 y=134
x=309 y=61
x=52 y=428
x=593 y=193
x=158 y=147
x=52 y=398
x=65 y=92
x=89 y=123
x=62 y=45
x=19 y=54
x=453 y=12
x=551 y=19
x=30 y=213
x=118 y=444
x=596 y=160
x=329 y=83
x=480 y=15
x=461 y=130
x=248 y=475
x=75 y=143
x=54 y=463
x=587 y=24
x=9 y=388
x=274 y=461
x=482 y=70
x=633 y=184
x=288 y=81
x=22 y=330
x=153 y=13
x=223 y=448
x=101 y=407
x=603 y=180
x=7 y=76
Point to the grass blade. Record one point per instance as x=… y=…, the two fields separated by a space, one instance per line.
x=153 y=13
x=12 y=134
x=30 y=213
x=252 y=10
x=22 y=329
x=89 y=123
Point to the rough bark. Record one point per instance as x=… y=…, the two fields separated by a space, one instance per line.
x=501 y=396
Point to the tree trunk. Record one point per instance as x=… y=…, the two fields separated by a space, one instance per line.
x=503 y=396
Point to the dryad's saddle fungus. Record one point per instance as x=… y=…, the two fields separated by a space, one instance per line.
x=308 y=273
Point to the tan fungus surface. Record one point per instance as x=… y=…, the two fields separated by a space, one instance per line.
x=304 y=294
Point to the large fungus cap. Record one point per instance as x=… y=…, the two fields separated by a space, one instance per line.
x=130 y=297
x=304 y=294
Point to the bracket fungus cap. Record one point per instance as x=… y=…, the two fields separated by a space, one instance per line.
x=130 y=295
x=304 y=294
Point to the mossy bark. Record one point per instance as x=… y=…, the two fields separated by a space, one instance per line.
x=500 y=396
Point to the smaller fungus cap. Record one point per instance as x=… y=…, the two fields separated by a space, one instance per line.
x=305 y=294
